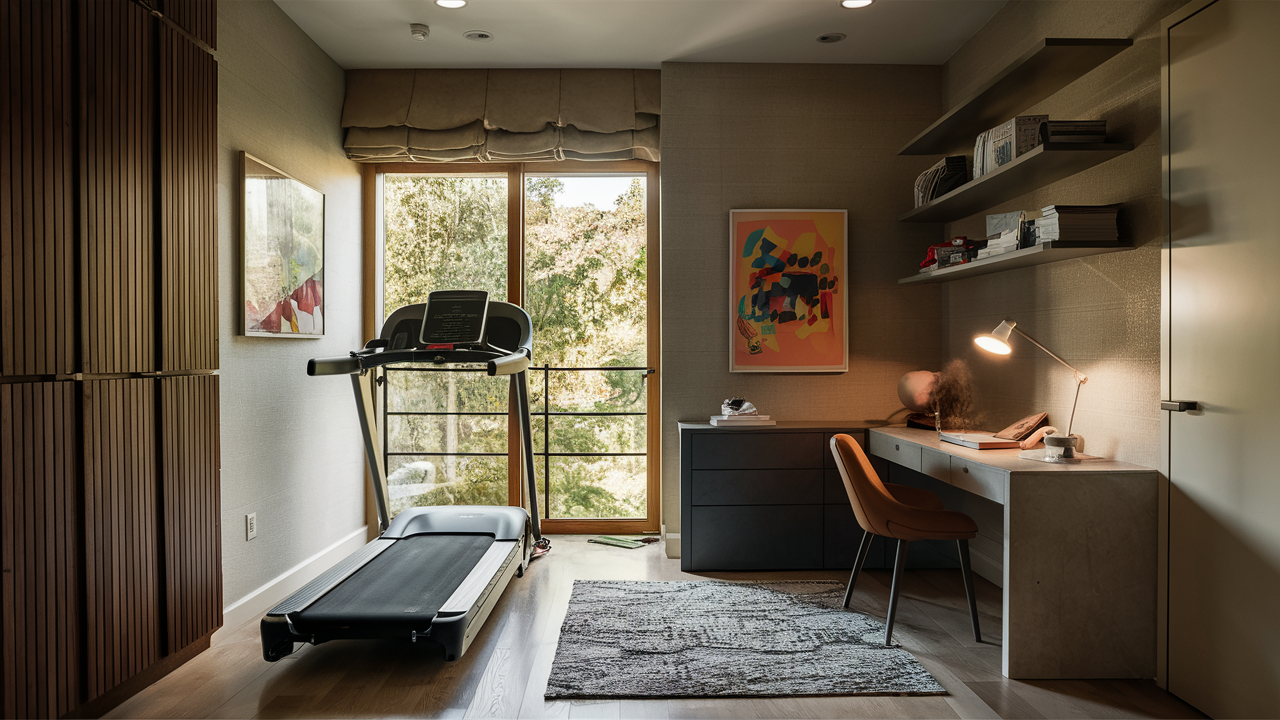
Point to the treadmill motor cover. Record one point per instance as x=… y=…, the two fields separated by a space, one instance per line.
x=404 y=587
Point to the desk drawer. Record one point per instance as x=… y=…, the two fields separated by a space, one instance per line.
x=898 y=451
x=756 y=450
x=936 y=465
x=978 y=479
x=757 y=537
x=833 y=492
x=757 y=487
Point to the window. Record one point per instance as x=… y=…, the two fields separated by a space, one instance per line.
x=582 y=261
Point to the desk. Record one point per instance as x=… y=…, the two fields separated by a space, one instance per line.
x=1079 y=553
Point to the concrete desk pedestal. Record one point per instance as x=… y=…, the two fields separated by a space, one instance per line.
x=1079 y=553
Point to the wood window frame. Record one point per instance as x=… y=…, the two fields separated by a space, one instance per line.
x=371 y=213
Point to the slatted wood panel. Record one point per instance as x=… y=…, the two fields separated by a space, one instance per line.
x=188 y=182
x=192 y=535
x=117 y=134
x=36 y=189
x=122 y=562
x=38 y=511
x=198 y=17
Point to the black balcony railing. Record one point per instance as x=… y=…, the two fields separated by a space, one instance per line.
x=546 y=413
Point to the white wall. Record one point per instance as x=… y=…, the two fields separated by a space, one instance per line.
x=291 y=449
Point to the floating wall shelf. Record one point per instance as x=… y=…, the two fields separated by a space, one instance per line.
x=1046 y=68
x=1026 y=257
x=1043 y=165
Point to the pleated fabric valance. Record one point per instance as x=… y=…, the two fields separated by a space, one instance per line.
x=501 y=115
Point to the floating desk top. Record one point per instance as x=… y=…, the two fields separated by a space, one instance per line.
x=1005 y=459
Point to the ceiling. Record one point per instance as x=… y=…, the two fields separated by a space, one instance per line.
x=637 y=33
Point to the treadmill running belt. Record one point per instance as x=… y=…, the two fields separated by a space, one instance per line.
x=404 y=587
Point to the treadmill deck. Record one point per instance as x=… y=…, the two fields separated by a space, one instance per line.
x=402 y=588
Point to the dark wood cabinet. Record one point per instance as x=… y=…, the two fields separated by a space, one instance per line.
x=767 y=498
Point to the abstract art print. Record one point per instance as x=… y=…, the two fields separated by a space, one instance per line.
x=283 y=252
x=787 y=271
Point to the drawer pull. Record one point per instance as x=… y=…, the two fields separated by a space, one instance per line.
x=966 y=470
x=896 y=448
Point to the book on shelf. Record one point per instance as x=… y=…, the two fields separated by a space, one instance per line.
x=1005 y=142
x=1065 y=224
x=944 y=176
x=1069 y=131
x=977 y=441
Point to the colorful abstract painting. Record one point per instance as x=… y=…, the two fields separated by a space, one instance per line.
x=787 y=271
x=283 y=254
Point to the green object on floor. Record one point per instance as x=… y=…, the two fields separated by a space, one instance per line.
x=616 y=542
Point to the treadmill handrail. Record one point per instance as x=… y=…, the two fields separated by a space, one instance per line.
x=497 y=361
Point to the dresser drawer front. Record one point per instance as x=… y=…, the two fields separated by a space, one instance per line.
x=936 y=465
x=978 y=479
x=752 y=537
x=898 y=451
x=757 y=487
x=756 y=451
x=833 y=492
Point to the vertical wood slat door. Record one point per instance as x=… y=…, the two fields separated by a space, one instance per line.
x=117 y=136
x=198 y=17
x=122 y=562
x=37 y=199
x=38 y=510
x=188 y=194
x=192 y=532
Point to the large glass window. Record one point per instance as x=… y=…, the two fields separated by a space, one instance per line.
x=580 y=265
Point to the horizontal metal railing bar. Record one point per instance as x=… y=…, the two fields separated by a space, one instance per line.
x=495 y=454
x=587 y=369
x=532 y=368
x=487 y=414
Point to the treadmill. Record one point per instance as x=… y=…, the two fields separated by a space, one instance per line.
x=434 y=573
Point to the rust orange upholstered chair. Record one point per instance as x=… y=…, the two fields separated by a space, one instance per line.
x=903 y=513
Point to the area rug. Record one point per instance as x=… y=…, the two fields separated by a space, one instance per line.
x=725 y=639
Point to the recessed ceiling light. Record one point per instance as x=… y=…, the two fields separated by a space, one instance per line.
x=478 y=35
x=846 y=3
x=455 y=4
x=419 y=32
x=831 y=38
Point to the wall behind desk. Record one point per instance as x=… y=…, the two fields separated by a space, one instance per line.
x=791 y=136
x=1101 y=314
x=291 y=443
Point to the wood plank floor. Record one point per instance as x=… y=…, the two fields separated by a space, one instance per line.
x=505 y=672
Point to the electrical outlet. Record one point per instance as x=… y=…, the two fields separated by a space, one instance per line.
x=250 y=526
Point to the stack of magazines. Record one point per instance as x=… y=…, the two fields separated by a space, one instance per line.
x=1078 y=131
x=1006 y=141
x=741 y=420
x=1066 y=224
x=946 y=175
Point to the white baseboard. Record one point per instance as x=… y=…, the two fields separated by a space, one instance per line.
x=255 y=604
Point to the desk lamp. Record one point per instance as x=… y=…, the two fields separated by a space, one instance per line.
x=998 y=342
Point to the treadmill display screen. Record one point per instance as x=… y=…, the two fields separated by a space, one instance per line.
x=455 y=317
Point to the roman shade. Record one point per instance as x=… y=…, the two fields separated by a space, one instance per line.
x=513 y=115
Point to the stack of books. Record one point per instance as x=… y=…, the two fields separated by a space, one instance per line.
x=741 y=420
x=1005 y=242
x=1066 y=224
x=1078 y=131
x=1004 y=142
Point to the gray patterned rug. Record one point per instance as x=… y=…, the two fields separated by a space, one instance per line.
x=725 y=639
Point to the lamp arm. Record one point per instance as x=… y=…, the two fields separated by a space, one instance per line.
x=1080 y=377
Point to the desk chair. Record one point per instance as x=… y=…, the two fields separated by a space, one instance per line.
x=903 y=513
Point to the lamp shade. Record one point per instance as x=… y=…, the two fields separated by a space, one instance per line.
x=998 y=340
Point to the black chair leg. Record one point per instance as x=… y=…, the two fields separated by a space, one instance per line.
x=864 y=548
x=968 y=587
x=898 y=565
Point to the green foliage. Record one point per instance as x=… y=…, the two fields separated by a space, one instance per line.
x=585 y=278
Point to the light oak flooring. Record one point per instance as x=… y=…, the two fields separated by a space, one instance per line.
x=504 y=673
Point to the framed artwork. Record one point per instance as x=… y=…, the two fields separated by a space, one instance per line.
x=283 y=252
x=788 y=310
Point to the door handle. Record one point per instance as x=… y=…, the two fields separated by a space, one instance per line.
x=1179 y=405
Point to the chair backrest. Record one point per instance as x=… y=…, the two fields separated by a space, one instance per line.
x=872 y=503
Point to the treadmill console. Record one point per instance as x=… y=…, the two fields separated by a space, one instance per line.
x=454 y=318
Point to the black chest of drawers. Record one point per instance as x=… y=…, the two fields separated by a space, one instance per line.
x=767 y=498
